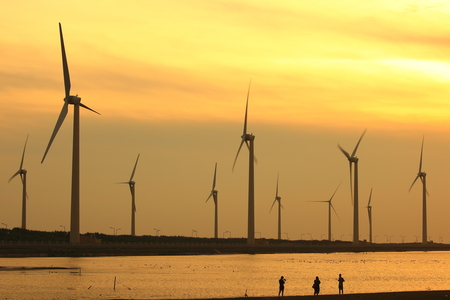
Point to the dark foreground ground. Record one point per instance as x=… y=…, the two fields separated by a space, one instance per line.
x=423 y=295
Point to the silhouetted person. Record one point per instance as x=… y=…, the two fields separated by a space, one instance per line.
x=316 y=286
x=282 y=281
x=341 y=284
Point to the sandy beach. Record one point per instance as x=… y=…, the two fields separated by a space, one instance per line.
x=417 y=295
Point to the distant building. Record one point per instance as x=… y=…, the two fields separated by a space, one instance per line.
x=89 y=238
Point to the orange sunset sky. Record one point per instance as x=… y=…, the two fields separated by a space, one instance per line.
x=170 y=81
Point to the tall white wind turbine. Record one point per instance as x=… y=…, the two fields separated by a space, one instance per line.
x=352 y=159
x=215 y=195
x=278 y=199
x=422 y=175
x=131 y=183
x=76 y=102
x=369 y=211
x=330 y=206
x=23 y=176
x=248 y=139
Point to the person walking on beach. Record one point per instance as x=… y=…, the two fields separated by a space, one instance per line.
x=316 y=286
x=341 y=284
x=282 y=281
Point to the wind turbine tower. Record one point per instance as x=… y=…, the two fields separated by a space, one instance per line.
x=215 y=195
x=423 y=177
x=131 y=183
x=248 y=139
x=330 y=206
x=76 y=102
x=278 y=199
x=23 y=176
x=352 y=159
x=369 y=211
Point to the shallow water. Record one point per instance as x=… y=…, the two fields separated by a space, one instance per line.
x=218 y=276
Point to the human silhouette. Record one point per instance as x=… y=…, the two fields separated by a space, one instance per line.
x=282 y=281
x=341 y=284
x=316 y=286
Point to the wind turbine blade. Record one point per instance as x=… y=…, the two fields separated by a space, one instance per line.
x=246 y=109
x=134 y=169
x=272 y=205
x=351 y=181
x=276 y=193
x=62 y=116
x=214 y=180
x=23 y=154
x=237 y=154
x=421 y=179
x=414 y=182
x=131 y=188
x=15 y=174
x=335 y=211
x=335 y=191
x=343 y=151
x=421 y=152
x=357 y=145
x=210 y=195
x=370 y=197
x=65 y=66
x=84 y=106
x=133 y=197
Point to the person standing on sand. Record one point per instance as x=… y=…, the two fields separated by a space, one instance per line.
x=341 y=284
x=316 y=286
x=282 y=281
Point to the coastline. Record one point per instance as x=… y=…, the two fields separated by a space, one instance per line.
x=21 y=249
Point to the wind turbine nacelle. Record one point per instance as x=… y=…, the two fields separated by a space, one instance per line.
x=23 y=171
x=74 y=100
x=248 y=137
x=354 y=159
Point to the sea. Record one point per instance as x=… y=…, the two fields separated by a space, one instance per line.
x=219 y=276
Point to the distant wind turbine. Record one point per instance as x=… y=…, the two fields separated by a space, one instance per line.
x=422 y=176
x=278 y=199
x=330 y=206
x=248 y=139
x=76 y=102
x=369 y=211
x=131 y=183
x=215 y=195
x=23 y=175
x=352 y=159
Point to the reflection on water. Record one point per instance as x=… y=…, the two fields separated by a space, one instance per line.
x=218 y=276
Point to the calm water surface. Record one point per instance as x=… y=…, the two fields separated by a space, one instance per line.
x=218 y=276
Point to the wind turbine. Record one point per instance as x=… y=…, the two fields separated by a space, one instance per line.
x=214 y=194
x=422 y=176
x=76 y=102
x=330 y=206
x=131 y=183
x=23 y=175
x=352 y=159
x=248 y=139
x=278 y=198
x=369 y=211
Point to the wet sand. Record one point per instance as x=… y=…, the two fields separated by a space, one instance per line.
x=418 y=295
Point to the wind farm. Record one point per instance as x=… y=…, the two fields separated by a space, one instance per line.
x=170 y=85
